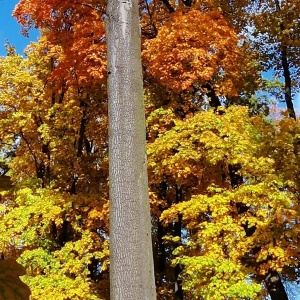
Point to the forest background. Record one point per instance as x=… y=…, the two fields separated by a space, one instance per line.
x=224 y=183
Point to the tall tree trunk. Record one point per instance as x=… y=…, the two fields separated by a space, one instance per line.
x=131 y=268
x=177 y=232
x=287 y=81
x=286 y=72
x=275 y=287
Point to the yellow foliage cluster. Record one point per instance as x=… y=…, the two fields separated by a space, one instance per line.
x=51 y=217
x=235 y=233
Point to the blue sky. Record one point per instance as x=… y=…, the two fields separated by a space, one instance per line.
x=10 y=30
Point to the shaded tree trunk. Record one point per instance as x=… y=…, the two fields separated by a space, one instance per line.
x=287 y=82
x=161 y=253
x=214 y=100
x=162 y=257
x=286 y=72
x=131 y=261
x=275 y=287
x=177 y=232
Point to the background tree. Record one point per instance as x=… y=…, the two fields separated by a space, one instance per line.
x=216 y=238
x=277 y=38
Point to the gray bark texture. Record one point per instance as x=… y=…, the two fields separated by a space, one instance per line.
x=131 y=260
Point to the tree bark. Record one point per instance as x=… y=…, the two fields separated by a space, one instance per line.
x=177 y=232
x=131 y=267
x=287 y=82
x=286 y=72
x=275 y=287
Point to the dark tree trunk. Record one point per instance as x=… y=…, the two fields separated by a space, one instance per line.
x=187 y=3
x=63 y=236
x=235 y=179
x=47 y=173
x=286 y=72
x=275 y=287
x=177 y=232
x=82 y=129
x=168 y=6
x=287 y=83
x=211 y=94
x=161 y=249
x=162 y=257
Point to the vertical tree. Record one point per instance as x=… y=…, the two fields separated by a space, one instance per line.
x=131 y=271
x=277 y=38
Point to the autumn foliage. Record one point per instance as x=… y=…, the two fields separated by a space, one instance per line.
x=183 y=55
x=223 y=173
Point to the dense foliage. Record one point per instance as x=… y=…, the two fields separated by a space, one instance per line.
x=223 y=167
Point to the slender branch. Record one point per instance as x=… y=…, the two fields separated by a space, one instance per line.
x=168 y=6
x=151 y=18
